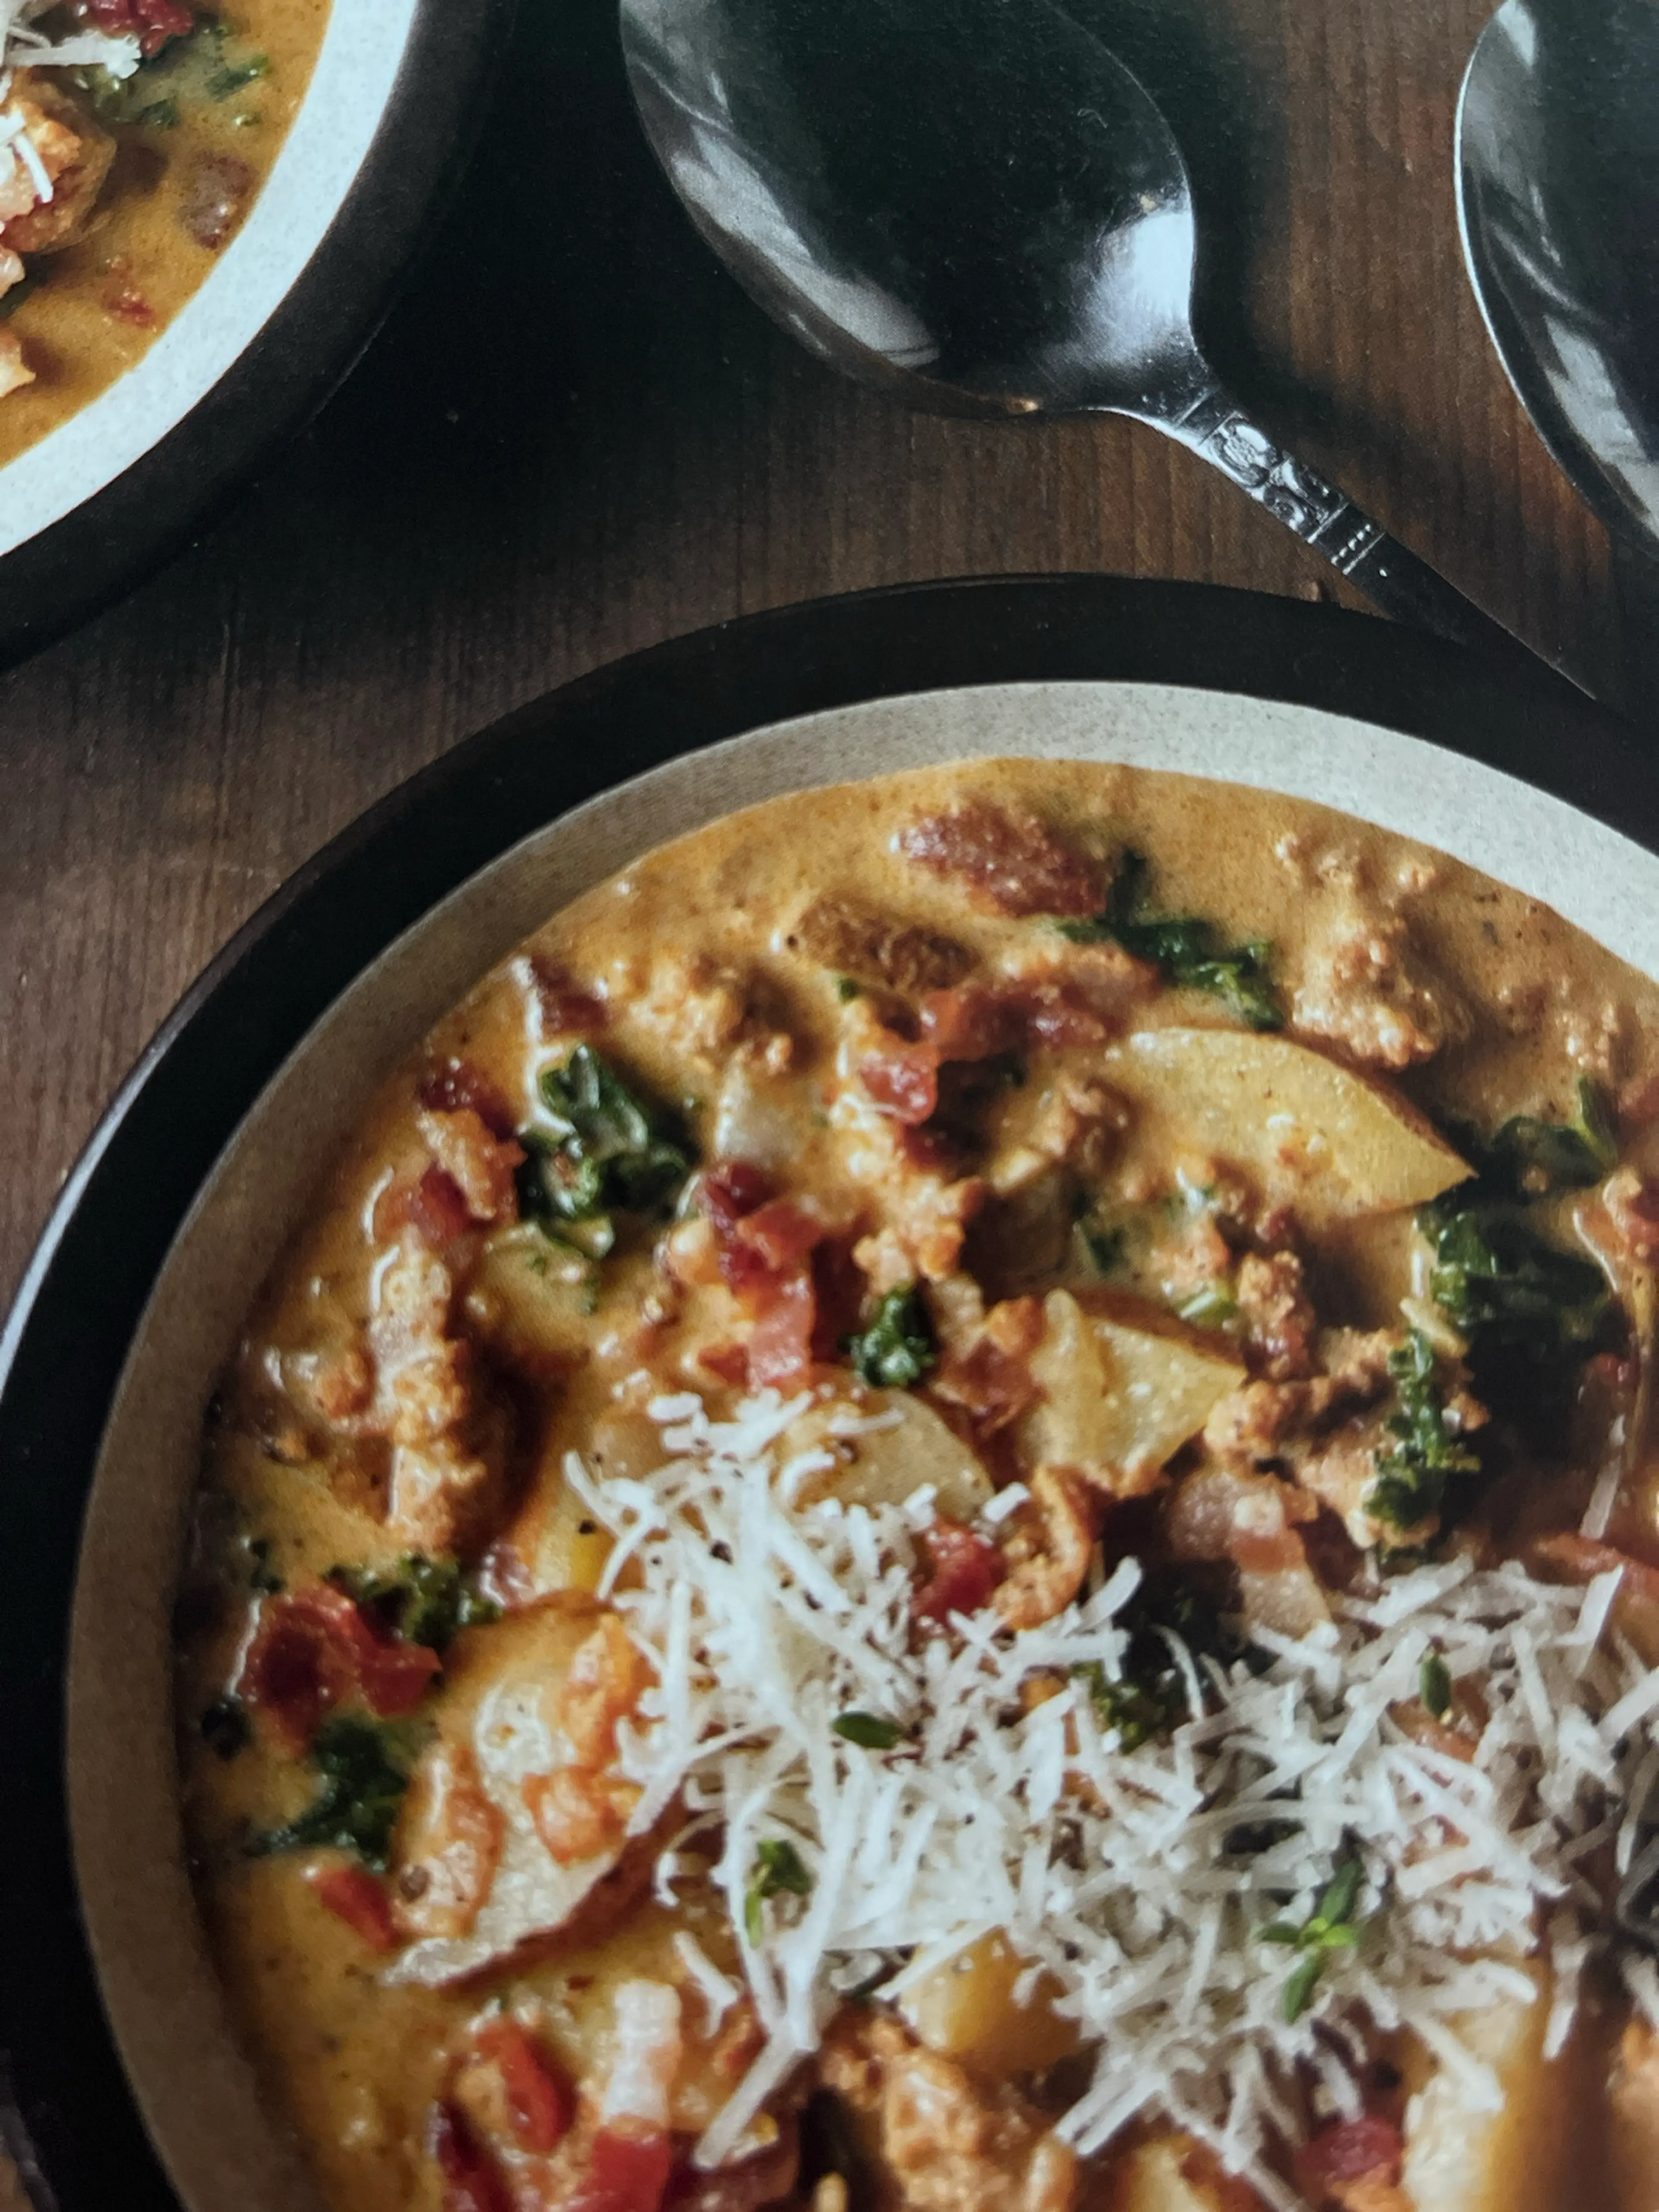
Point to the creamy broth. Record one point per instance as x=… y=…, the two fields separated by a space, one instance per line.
x=192 y=136
x=929 y=1113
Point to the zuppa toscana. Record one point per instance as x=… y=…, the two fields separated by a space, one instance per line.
x=955 y=1507
x=134 y=136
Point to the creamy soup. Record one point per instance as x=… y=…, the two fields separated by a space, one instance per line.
x=955 y=1507
x=134 y=136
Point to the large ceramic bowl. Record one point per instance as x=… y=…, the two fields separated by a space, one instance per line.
x=213 y=1150
x=383 y=125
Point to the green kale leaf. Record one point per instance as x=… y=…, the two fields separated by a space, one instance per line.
x=778 y=1867
x=1412 y=1478
x=364 y=1767
x=420 y=1599
x=1533 y=1157
x=898 y=1347
x=610 y=1148
x=1187 y=950
x=1503 y=1287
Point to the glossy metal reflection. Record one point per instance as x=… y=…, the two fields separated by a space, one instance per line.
x=975 y=202
x=1558 y=160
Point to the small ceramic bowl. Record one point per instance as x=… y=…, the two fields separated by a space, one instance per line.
x=109 y=2010
x=398 y=88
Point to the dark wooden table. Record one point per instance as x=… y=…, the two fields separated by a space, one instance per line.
x=576 y=437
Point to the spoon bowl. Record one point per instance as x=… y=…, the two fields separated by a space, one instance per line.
x=1558 y=172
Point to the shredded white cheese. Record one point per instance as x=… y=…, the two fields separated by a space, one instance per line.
x=1140 y=1880
x=23 y=44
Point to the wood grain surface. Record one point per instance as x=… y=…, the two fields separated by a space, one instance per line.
x=576 y=438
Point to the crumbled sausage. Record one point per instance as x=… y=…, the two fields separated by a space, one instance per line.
x=949 y=2142
x=1013 y=864
x=1280 y=1322
x=443 y=1485
x=1049 y=1548
x=1366 y=988
x=871 y=948
x=480 y=1164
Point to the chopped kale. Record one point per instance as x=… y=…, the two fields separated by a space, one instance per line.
x=1434 y=1686
x=778 y=1867
x=1534 y=1157
x=1330 y=1927
x=847 y=989
x=232 y=77
x=225 y=1728
x=420 y=1599
x=1502 y=1286
x=868 y=1730
x=1412 y=1478
x=364 y=1766
x=1187 y=950
x=898 y=1347
x=1108 y=1247
x=609 y=1149
x=1137 y=1710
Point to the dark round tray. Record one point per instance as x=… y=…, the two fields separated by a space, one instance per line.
x=65 y=2110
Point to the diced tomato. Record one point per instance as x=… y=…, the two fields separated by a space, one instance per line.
x=903 y=1081
x=780 y=1342
x=311 y=1648
x=973 y=1022
x=394 y=1676
x=732 y=1190
x=351 y=1893
x=563 y=1005
x=839 y=1284
x=540 y=2101
x=459 y=1084
x=627 y=2171
x=437 y=1208
x=302 y=1661
x=471 y=2182
x=962 y=1569
x=729 y=1363
x=768 y=1244
x=1366 y=2149
x=152 y=22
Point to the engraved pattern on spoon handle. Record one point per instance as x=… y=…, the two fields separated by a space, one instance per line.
x=1389 y=572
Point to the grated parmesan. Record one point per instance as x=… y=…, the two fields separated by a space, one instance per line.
x=1144 y=1895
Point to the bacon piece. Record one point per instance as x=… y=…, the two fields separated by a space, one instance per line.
x=152 y=22
x=732 y=1190
x=627 y=2171
x=1366 y=2150
x=990 y=1379
x=540 y=2102
x=780 y=1342
x=351 y=1893
x=311 y=1648
x=436 y=1206
x=973 y=1022
x=962 y=1571
x=461 y=1085
x=471 y=2182
x=1012 y=864
x=903 y=1080
x=559 y=1005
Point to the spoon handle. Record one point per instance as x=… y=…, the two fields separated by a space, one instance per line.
x=1390 y=575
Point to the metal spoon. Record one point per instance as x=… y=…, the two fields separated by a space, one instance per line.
x=975 y=202
x=1558 y=173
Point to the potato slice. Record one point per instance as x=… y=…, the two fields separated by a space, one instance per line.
x=966 y=2009
x=1119 y=1402
x=1317 y=1135
x=885 y=1466
x=499 y=1700
x=1461 y=2159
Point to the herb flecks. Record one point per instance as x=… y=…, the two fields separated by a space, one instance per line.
x=364 y=1767
x=606 y=1147
x=898 y=1347
x=868 y=1731
x=1187 y=950
x=779 y=1869
x=1331 y=1926
x=1434 y=1686
x=1133 y=1710
x=1411 y=1479
x=419 y=1600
